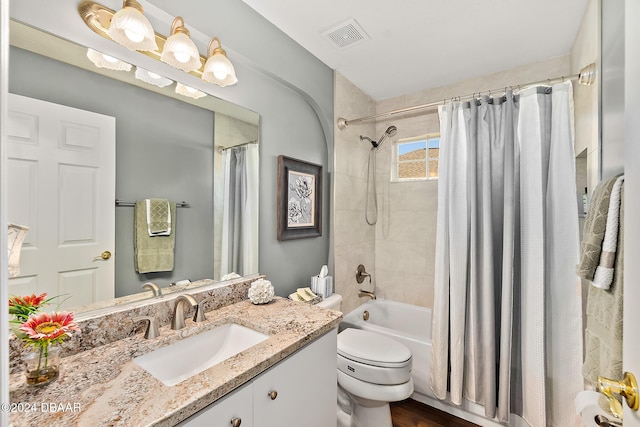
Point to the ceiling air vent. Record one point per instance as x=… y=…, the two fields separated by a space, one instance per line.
x=346 y=34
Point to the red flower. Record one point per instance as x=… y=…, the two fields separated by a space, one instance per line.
x=28 y=301
x=49 y=327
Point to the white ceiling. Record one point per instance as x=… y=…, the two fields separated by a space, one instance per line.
x=419 y=44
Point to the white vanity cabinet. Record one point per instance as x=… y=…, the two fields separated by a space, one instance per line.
x=301 y=390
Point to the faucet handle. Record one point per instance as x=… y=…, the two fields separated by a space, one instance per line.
x=152 y=330
x=199 y=316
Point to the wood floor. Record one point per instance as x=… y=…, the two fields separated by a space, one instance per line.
x=410 y=413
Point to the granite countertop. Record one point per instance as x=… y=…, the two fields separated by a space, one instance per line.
x=105 y=387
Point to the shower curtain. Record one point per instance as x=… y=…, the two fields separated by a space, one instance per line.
x=240 y=212
x=507 y=327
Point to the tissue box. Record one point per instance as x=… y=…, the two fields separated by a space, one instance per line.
x=322 y=286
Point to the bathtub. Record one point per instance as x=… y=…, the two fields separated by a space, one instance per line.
x=411 y=325
x=408 y=324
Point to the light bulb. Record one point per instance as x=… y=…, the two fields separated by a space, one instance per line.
x=182 y=57
x=133 y=35
x=220 y=69
x=109 y=58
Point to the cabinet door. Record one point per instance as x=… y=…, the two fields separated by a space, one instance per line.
x=236 y=405
x=306 y=387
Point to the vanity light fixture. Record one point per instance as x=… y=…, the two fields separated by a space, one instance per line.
x=179 y=50
x=102 y=60
x=218 y=69
x=102 y=20
x=131 y=28
x=152 y=78
x=185 y=90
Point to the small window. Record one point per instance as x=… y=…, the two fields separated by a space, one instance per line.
x=417 y=158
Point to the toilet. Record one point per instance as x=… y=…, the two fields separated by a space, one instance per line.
x=373 y=370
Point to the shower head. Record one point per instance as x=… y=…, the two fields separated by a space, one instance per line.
x=391 y=131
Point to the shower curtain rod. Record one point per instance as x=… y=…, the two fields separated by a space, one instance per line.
x=222 y=149
x=586 y=76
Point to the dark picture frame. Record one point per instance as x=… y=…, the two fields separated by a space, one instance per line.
x=299 y=199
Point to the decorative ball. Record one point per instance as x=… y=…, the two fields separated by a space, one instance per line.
x=261 y=291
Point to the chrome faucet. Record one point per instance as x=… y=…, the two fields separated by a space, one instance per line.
x=363 y=293
x=178 y=311
x=150 y=286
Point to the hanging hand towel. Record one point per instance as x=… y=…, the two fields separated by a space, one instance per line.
x=594 y=229
x=158 y=217
x=604 y=272
x=152 y=253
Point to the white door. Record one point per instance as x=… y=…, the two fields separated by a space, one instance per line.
x=61 y=184
x=631 y=345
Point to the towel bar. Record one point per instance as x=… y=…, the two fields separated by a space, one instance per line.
x=122 y=203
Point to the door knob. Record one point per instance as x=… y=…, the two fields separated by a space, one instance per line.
x=103 y=256
x=235 y=422
x=273 y=394
x=627 y=388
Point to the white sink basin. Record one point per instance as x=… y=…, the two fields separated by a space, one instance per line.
x=179 y=361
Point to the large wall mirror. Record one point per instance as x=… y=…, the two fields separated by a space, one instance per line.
x=166 y=146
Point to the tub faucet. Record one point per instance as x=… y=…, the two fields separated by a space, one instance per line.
x=150 y=286
x=178 y=311
x=363 y=293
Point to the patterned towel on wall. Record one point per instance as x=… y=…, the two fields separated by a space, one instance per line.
x=158 y=217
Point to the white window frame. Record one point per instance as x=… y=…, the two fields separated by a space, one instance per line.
x=395 y=160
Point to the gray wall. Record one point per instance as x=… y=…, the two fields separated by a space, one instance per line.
x=164 y=149
x=293 y=92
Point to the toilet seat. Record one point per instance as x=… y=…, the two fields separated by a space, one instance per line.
x=373 y=349
x=373 y=358
x=374 y=392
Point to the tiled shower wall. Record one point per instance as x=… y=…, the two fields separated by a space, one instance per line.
x=353 y=239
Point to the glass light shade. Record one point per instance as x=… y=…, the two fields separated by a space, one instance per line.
x=219 y=70
x=152 y=78
x=181 y=52
x=132 y=29
x=189 y=91
x=101 y=60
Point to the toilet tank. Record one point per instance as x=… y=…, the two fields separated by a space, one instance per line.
x=333 y=302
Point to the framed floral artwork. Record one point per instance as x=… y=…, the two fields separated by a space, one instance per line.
x=299 y=199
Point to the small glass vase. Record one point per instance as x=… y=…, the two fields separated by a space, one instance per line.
x=42 y=365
